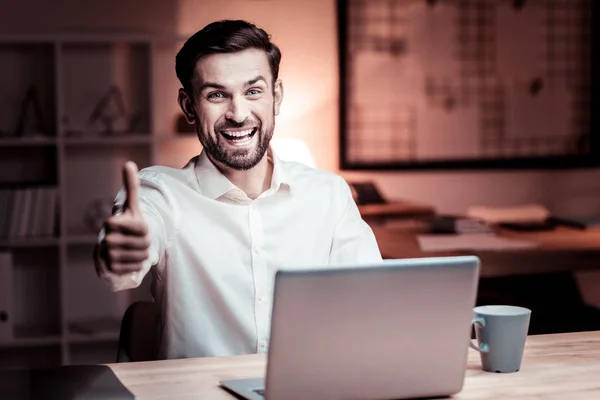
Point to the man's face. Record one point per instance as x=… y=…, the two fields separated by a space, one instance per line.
x=234 y=107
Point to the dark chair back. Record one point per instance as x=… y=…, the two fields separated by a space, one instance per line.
x=138 y=333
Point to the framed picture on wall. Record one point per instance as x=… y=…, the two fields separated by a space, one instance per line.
x=438 y=84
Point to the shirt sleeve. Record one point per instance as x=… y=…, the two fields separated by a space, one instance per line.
x=353 y=240
x=157 y=210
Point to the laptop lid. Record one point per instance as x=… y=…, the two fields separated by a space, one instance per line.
x=394 y=330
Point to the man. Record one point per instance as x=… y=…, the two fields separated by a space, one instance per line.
x=213 y=233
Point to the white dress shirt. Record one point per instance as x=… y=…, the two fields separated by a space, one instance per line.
x=215 y=251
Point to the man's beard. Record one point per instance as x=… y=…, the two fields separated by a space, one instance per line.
x=239 y=159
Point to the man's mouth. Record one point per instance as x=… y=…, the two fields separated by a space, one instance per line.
x=239 y=137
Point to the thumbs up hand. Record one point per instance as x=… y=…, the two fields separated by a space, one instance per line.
x=126 y=242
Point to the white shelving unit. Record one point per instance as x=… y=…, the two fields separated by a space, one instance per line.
x=61 y=312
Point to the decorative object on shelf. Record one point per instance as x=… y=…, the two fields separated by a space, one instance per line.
x=30 y=122
x=182 y=126
x=97 y=212
x=110 y=116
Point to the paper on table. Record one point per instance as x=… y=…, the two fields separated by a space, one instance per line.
x=475 y=241
x=519 y=213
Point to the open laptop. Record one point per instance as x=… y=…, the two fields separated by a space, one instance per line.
x=397 y=329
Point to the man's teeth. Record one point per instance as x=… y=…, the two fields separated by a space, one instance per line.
x=239 y=134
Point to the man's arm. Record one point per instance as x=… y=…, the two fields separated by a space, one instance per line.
x=353 y=241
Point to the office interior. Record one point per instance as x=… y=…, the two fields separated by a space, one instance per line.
x=85 y=86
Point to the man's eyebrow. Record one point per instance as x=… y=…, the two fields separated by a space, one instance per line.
x=212 y=85
x=255 y=80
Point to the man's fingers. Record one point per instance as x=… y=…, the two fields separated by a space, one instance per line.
x=117 y=256
x=131 y=181
x=126 y=224
x=118 y=240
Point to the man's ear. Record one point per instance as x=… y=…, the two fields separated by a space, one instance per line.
x=187 y=106
x=277 y=95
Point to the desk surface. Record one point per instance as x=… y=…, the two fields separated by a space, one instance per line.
x=563 y=249
x=554 y=367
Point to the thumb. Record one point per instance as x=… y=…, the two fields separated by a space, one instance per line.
x=132 y=187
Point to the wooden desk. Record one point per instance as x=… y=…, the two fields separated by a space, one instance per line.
x=565 y=366
x=564 y=249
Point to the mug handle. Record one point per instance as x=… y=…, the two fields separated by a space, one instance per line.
x=484 y=347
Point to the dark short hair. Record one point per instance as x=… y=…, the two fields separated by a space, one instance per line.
x=225 y=36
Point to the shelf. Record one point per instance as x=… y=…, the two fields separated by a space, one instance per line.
x=85 y=86
x=91 y=308
x=42 y=356
x=93 y=353
x=32 y=341
x=109 y=336
x=29 y=242
x=109 y=141
x=36 y=294
x=27 y=141
x=100 y=329
x=82 y=240
x=35 y=335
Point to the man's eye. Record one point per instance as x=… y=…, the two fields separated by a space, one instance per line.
x=254 y=92
x=216 y=95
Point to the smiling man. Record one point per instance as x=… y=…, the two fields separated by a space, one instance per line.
x=213 y=233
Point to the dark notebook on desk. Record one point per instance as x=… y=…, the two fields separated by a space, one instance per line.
x=548 y=224
x=367 y=193
x=457 y=225
x=70 y=382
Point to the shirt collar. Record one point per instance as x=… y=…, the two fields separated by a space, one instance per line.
x=213 y=184
x=279 y=180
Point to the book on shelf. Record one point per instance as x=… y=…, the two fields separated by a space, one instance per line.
x=28 y=212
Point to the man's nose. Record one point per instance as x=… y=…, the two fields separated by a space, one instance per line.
x=238 y=110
